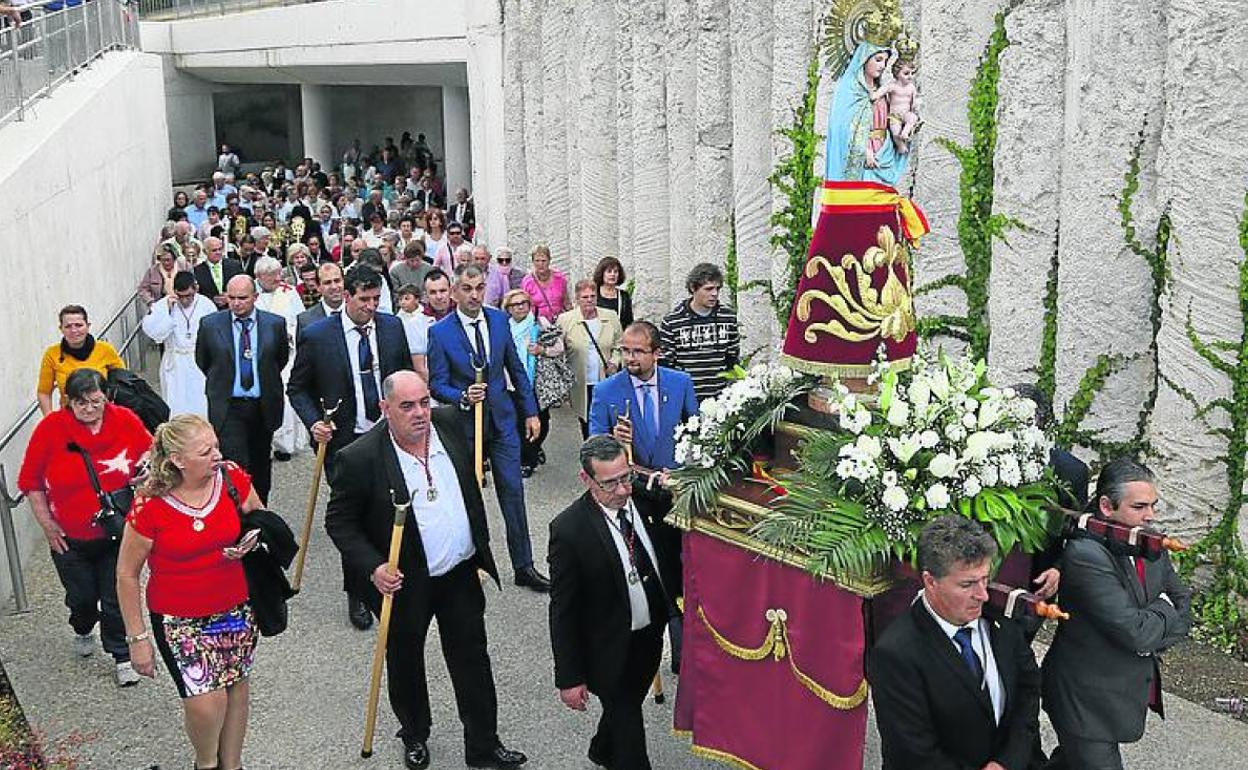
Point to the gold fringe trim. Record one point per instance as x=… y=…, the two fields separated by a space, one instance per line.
x=777 y=645
x=722 y=756
x=838 y=370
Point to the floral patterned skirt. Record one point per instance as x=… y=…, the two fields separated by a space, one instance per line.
x=208 y=653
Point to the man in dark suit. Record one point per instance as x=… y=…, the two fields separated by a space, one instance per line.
x=341 y=361
x=657 y=399
x=464 y=212
x=474 y=336
x=417 y=455
x=608 y=605
x=1101 y=675
x=329 y=281
x=242 y=352
x=215 y=272
x=951 y=688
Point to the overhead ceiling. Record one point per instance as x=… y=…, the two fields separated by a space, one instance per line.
x=452 y=74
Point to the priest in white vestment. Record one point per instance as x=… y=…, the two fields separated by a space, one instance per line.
x=174 y=322
x=275 y=296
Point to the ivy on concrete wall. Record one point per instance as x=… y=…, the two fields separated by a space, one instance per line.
x=1221 y=608
x=977 y=224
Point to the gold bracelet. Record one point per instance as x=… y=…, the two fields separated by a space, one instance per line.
x=139 y=637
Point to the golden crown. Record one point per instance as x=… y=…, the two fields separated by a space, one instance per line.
x=907 y=47
x=883 y=23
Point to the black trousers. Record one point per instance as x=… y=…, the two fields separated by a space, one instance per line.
x=530 y=449
x=348 y=584
x=88 y=570
x=246 y=440
x=457 y=601
x=620 y=742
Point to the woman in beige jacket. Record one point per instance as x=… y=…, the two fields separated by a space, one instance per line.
x=591 y=335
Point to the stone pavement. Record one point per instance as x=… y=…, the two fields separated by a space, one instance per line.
x=310 y=683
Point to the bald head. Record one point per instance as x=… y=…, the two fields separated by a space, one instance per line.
x=407 y=407
x=241 y=293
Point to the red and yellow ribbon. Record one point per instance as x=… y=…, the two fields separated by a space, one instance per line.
x=863 y=197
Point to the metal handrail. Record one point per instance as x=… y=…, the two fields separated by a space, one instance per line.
x=168 y=10
x=9 y=501
x=57 y=39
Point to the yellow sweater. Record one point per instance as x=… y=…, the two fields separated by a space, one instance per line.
x=56 y=366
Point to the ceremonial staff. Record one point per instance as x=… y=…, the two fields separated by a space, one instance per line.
x=387 y=603
x=306 y=535
x=478 y=425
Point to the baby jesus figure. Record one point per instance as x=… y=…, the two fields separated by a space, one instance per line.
x=901 y=94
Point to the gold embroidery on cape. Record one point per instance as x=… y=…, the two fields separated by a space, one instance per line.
x=866 y=313
x=778 y=646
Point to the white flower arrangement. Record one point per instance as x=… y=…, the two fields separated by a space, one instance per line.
x=713 y=437
x=939 y=436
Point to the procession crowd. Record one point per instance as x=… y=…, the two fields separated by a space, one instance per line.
x=355 y=312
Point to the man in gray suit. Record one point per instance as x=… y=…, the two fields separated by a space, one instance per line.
x=330 y=285
x=1102 y=675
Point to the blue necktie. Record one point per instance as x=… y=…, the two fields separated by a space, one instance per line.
x=648 y=413
x=963 y=637
x=480 y=359
x=246 y=373
x=372 y=407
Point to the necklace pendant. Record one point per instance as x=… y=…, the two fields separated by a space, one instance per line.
x=431 y=494
x=633 y=577
x=198 y=525
x=247 y=354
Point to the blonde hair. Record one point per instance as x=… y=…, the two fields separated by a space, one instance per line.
x=513 y=295
x=540 y=248
x=169 y=439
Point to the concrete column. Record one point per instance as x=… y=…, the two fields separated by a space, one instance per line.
x=314 y=109
x=456 y=138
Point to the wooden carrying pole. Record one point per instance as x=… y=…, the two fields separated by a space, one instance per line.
x=478 y=431
x=317 y=469
x=383 y=631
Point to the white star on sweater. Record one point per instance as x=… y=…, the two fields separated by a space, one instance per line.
x=119 y=464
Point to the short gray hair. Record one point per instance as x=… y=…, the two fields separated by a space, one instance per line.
x=952 y=539
x=259 y=232
x=468 y=271
x=267 y=264
x=600 y=447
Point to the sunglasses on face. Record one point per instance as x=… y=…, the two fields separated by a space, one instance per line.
x=504 y=260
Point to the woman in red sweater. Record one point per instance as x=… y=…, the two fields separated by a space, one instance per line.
x=64 y=502
x=185 y=527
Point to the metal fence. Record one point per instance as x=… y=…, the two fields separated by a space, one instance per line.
x=55 y=40
x=123 y=332
x=165 y=10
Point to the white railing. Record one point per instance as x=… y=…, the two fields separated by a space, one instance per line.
x=165 y=10
x=55 y=40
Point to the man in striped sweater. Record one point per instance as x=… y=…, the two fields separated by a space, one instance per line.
x=700 y=336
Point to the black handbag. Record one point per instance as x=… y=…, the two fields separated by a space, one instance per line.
x=113 y=505
x=265 y=565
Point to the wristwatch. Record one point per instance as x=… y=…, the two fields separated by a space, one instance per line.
x=139 y=637
x=464 y=403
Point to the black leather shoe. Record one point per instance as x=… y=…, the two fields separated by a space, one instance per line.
x=529 y=577
x=358 y=614
x=526 y=471
x=282 y=457
x=416 y=755
x=597 y=758
x=541 y=457
x=500 y=757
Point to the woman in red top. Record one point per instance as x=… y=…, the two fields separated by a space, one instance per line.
x=64 y=502
x=185 y=527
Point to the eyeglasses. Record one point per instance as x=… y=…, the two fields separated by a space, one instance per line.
x=89 y=403
x=519 y=303
x=504 y=260
x=635 y=351
x=610 y=485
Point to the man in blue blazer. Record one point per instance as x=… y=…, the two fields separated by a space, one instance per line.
x=342 y=360
x=471 y=336
x=656 y=400
x=242 y=352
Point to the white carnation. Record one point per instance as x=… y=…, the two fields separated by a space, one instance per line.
x=937 y=496
x=969 y=421
x=928 y=439
x=989 y=475
x=972 y=486
x=942 y=465
x=894 y=498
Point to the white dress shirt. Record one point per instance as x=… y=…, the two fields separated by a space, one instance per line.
x=981 y=643
x=638 y=604
x=444 y=530
x=472 y=335
x=362 y=423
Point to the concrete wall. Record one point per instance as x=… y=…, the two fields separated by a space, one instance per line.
x=254 y=119
x=189 y=114
x=646 y=129
x=77 y=160
x=371 y=113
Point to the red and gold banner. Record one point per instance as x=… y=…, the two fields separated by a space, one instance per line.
x=772 y=666
x=855 y=293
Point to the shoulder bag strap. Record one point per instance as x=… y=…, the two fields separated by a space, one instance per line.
x=594 y=341
x=95 y=479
